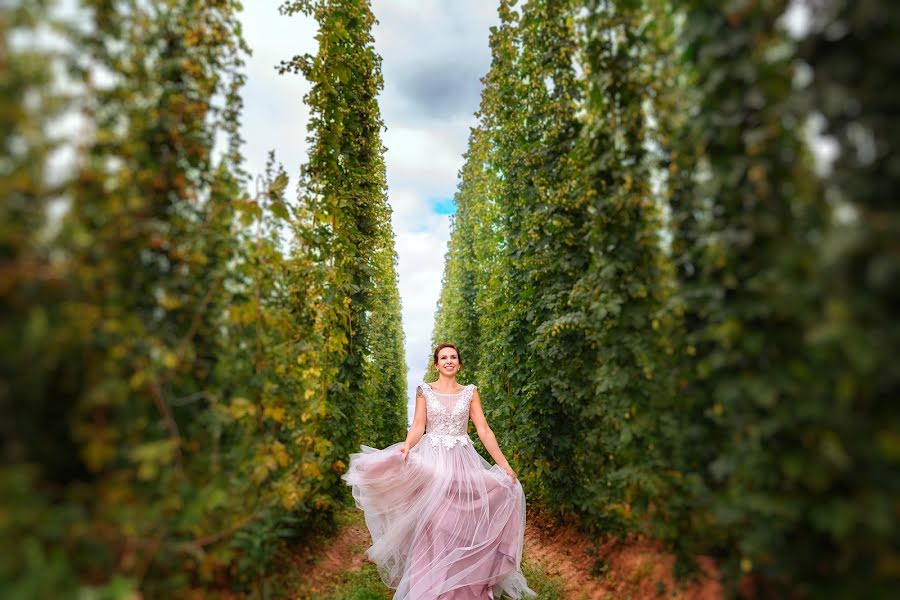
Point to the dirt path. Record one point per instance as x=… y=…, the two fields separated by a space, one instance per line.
x=607 y=569
x=316 y=570
x=636 y=569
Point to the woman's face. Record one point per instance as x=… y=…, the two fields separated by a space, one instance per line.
x=448 y=361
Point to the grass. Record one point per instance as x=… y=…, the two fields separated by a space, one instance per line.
x=365 y=584
x=548 y=587
x=641 y=572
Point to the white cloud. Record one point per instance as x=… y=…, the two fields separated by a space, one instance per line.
x=275 y=116
x=433 y=53
x=422 y=157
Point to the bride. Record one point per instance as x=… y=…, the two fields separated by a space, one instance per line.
x=444 y=522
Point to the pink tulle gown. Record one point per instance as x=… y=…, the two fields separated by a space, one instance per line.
x=445 y=523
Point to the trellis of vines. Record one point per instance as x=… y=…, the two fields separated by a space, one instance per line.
x=186 y=360
x=680 y=324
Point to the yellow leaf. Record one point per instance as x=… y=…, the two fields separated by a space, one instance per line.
x=147 y=471
x=270 y=462
x=290 y=498
x=137 y=380
x=310 y=470
x=280 y=453
x=170 y=359
x=169 y=302
x=241 y=407
x=98 y=452
x=260 y=473
x=276 y=413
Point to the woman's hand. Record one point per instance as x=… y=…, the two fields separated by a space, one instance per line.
x=405 y=451
x=508 y=470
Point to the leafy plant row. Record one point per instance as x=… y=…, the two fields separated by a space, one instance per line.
x=680 y=321
x=188 y=358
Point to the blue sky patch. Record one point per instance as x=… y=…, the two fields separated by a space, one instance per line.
x=443 y=206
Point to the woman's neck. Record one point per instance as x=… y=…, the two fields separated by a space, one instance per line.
x=446 y=383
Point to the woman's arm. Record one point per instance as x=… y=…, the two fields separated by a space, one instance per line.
x=476 y=413
x=418 y=425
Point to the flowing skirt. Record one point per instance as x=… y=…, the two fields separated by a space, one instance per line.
x=445 y=523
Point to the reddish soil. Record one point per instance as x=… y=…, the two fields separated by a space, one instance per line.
x=318 y=568
x=633 y=569
x=637 y=569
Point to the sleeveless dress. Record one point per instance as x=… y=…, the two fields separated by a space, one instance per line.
x=445 y=524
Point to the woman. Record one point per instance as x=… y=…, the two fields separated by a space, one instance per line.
x=444 y=522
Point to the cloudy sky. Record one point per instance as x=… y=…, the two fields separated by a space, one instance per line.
x=434 y=54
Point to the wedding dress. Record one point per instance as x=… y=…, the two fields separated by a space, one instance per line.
x=445 y=524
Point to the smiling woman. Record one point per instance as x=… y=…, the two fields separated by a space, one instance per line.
x=445 y=523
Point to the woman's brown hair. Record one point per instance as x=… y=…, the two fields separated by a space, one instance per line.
x=448 y=345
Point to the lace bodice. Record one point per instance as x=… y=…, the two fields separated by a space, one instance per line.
x=447 y=415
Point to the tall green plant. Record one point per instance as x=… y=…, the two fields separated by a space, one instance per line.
x=544 y=214
x=343 y=182
x=148 y=238
x=137 y=431
x=621 y=294
x=850 y=539
x=762 y=443
x=34 y=400
x=701 y=377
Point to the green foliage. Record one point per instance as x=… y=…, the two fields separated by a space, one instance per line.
x=748 y=289
x=856 y=334
x=185 y=358
x=344 y=185
x=620 y=297
x=678 y=327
